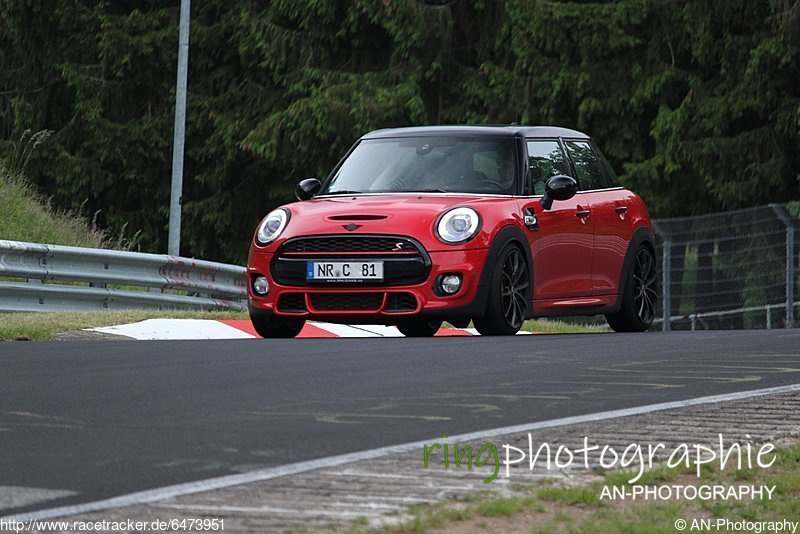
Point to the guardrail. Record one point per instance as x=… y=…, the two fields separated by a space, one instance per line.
x=192 y=284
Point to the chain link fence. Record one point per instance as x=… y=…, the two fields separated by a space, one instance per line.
x=730 y=270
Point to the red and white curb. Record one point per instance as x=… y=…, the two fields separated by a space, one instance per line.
x=153 y=329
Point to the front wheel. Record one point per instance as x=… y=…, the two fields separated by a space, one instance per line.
x=508 y=303
x=639 y=298
x=419 y=328
x=275 y=327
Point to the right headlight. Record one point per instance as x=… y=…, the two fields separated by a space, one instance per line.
x=458 y=225
x=272 y=226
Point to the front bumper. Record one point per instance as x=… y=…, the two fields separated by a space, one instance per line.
x=374 y=303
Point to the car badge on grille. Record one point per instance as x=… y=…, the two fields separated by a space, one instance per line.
x=352 y=226
x=397 y=247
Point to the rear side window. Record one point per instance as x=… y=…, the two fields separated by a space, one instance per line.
x=588 y=167
x=611 y=176
x=545 y=160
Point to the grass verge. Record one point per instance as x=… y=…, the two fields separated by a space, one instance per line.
x=26 y=216
x=554 y=327
x=550 y=507
x=42 y=326
x=561 y=327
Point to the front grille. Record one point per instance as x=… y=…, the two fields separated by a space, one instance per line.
x=292 y=303
x=405 y=262
x=345 y=244
x=396 y=302
x=401 y=302
x=346 y=301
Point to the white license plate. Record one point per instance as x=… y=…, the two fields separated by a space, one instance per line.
x=346 y=271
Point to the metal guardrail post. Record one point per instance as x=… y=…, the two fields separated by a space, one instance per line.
x=790 y=276
x=787 y=220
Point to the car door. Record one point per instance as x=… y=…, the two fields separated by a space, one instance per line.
x=561 y=243
x=609 y=212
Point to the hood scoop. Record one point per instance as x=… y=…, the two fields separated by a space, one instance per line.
x=356 y=217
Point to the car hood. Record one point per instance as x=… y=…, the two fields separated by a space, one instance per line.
x=412 y=215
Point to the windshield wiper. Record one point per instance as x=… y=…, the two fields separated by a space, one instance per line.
x=432 y=190
x=343 y=192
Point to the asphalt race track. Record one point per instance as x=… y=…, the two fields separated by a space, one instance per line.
x=109 y=418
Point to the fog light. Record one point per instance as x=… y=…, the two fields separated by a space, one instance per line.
x=451 y=283
x=260 y=285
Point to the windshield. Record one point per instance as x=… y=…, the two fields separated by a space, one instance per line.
x=428 y=164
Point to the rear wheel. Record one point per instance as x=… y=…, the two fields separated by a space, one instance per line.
x=507 y=306
x=639 y=299
x=276 y=327
x=419 y=328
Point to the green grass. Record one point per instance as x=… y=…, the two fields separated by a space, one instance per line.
x=561 y=327
x=503 y=507
x=42 y=326
x=555 y=327
x=26 y=216
x=548 y=507
x=570 y=495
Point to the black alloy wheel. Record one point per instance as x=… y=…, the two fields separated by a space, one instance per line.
x=644 y=286
x=638 y=308
x=507 y=307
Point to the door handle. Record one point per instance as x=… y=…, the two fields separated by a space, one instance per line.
x=582 y=213
x=621 y=209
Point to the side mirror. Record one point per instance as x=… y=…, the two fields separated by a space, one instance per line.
x=560 y=187
x=307 y=188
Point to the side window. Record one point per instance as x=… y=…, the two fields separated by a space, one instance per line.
x=545 y=160
x=588 y=166
x=611 y=176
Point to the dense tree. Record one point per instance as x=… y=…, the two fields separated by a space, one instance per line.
x=696 y=102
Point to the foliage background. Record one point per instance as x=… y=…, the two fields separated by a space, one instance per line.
x=695 y=102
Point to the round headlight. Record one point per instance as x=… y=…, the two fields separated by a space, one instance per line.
x=272 y=225
x=458 y=225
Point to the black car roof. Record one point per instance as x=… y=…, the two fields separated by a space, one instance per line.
x=513 y=130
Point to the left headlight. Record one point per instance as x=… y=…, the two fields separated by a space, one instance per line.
x=272 y=226
x=458 y=225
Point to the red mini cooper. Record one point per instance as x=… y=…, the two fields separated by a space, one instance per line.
x=416 y=226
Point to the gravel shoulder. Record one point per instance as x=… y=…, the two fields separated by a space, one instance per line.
x=378 y=492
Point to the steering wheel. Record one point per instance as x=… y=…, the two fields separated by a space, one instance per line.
x=491 y=185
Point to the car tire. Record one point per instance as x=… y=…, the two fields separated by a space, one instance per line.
x=274 y=327
x=507 y=305
x=639 y=297
x=419 y=328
